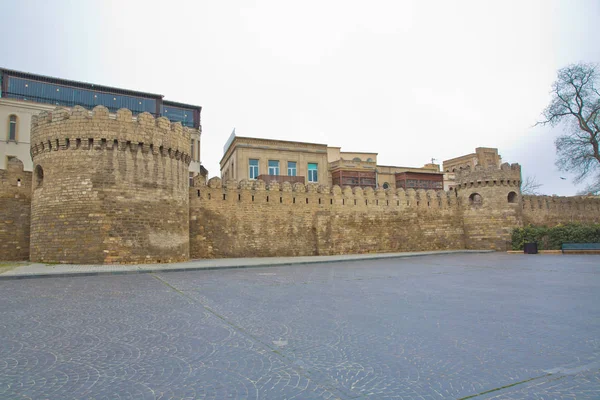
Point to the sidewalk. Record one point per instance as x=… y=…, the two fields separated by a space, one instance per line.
x=36 y=270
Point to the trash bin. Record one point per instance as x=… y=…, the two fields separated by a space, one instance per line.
x=530 y=248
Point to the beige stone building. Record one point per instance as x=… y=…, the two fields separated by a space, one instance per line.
x=23 y=95
x=274 y=160
x=280 y=160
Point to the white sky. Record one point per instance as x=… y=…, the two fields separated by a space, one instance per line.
x=409 y=80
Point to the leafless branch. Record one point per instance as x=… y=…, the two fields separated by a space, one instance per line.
x=575 y=104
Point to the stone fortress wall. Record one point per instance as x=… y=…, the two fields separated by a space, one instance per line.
x=15 y=211
x=114 y=189
x=554 y=210
x=251 y=219
x=109 y=189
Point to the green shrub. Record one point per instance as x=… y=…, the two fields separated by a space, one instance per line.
x=552 y=238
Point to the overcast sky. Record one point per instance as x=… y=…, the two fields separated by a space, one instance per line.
x=408 y=80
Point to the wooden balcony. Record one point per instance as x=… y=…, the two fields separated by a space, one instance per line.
x=281 y=178
x=354 y=178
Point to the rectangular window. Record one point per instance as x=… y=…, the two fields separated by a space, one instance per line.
x=313 y=172
x=192 y=149
x=291 y=168
x=253 y=169
x=273 y=167
x=12 y=127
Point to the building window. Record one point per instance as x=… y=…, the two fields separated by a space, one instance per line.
x=313 y=172
x=512 y=197
x=253 y=169
x=273 y=167
x=192 y=149
x=386 y=185
x=291 y=168
x=12 y=128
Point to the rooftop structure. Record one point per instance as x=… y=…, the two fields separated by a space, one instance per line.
x=62 y=92
x=24 y=95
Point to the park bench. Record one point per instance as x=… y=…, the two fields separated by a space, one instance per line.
x=581 y=248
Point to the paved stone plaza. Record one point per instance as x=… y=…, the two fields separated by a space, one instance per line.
x=450 y=326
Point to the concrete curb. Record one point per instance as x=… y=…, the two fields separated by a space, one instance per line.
x=236 y=264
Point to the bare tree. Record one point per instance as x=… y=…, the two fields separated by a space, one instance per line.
x=530 y=186
x=593 y=189
x=575 y=104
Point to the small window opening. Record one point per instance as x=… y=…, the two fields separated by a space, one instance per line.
x=307 y=200
x=224 y=196
x=267 y=199
x=39 y=175
x=281 y=199
x=239 y=197
x=475 y=200
x=19 y=182
x=294 y=200
x=198 y=192
x=252 y=197
x=512 y=197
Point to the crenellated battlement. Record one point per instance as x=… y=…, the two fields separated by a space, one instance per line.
x=561 y=204
x=246 y=191
x=81 y=129
x=506 y=175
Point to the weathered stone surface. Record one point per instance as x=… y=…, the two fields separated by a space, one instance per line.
x=257 y=223
x=15 y=211
x=105 y=195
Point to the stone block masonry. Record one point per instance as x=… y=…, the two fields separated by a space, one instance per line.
x=251 y=219
x=109 y=189
x=15 y=211
x=554 y=210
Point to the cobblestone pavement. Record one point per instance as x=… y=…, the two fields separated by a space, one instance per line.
x=484 y=326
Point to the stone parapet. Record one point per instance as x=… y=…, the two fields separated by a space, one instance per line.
x=80 y=129
x=506 y=175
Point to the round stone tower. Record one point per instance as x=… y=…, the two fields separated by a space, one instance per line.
x=109 y=189
x=491 y=202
